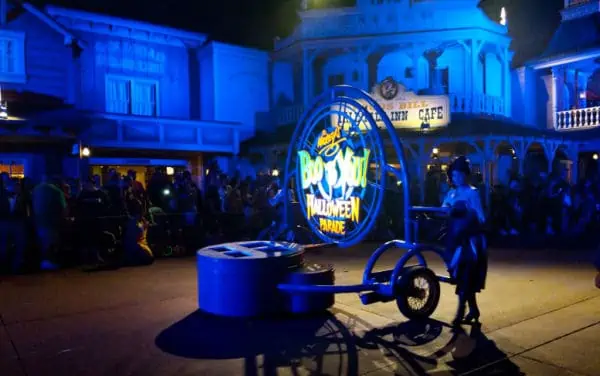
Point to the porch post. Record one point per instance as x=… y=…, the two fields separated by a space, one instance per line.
x=507 y=86
x=307 y=76
x=363 y=58
x=556 y=80
x=423 y=159
x=521 y=147
x=475 y=49
x=573 y=154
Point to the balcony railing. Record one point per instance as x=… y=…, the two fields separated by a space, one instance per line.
x=481 y=104
x=459 y=103
x=112 y=130
x=288 y=114
x=574 y=3
x=578 y=119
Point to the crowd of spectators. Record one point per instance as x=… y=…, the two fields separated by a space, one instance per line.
x=62 y=222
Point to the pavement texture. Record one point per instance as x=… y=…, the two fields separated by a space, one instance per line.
x=540 y=316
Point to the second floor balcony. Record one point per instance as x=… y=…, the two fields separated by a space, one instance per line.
x=459 y=103
x=578 y=119
x=139 y=132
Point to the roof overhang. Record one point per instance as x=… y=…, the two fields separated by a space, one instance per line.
x=554 y=61
x=102 y=24
x=70 y=38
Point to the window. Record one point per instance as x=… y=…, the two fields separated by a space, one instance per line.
x=14 y=169
x=335 y=79
x=445 y=80
x=131 y=96
x=12 y=56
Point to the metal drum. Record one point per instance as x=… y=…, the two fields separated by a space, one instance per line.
x=308 y=275
x=240 y=279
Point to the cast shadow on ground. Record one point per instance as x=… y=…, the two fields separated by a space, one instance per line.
x=464 y=353
x=330 y=344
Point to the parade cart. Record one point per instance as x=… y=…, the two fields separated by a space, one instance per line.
x=337 y=163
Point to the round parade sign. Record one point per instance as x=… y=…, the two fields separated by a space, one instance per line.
x=338 y=156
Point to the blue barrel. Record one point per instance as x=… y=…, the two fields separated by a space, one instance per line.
x=310 y=302
x=240 y=279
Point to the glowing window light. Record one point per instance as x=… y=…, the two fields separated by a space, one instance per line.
x=170 y=171
x=3 y=107
x=3 y=111
x=503 y=16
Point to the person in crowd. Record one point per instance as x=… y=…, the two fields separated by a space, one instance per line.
x=597 y=265
x=49 y=210
x=137 y=250
x=114 y=191
x=97 y=181
x=90 y=210
x=187 y=178
x=14 y=210
x=469 y=262
x=160 y=190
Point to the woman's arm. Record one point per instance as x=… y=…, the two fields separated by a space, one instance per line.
x=475 y=202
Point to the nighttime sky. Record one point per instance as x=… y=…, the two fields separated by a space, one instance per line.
x=256 y=22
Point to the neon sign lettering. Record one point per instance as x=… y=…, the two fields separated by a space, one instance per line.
x=334 y=180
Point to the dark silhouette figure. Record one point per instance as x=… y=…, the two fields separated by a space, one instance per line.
x=466 y=243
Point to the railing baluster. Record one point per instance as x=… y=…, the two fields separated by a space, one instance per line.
x=580 y=118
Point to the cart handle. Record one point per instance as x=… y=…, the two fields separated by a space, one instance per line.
x=429 y=209
x=328 y=289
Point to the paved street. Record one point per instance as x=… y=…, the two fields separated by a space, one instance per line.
x=540 y=314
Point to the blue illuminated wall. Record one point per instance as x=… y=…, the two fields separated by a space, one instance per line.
x=49 y=68
x=234 y=84
x=207 y=95
x=431 y=47
x=130 y=59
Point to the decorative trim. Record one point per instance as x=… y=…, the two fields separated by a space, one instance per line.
x=130 y=29
x=580 y=10
x=137 y=162
x=553 y=61
x=69 y=38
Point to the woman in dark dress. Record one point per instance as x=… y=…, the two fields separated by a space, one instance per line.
x=466 y=244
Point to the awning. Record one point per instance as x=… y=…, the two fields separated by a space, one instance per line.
x=33 y=114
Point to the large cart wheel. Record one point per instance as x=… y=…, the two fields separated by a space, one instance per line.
x=418 y=292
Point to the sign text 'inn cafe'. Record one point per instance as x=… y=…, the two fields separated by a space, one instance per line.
x=406 y=109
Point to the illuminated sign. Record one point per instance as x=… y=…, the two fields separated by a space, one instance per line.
x=407 y=110
x=333 y=181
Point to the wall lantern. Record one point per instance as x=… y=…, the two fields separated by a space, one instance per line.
x=85 y=152
x=170 y=171
x=595 y=156
x=275 y=172
x=435 y=151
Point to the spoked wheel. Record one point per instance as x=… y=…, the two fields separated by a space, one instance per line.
x=418 y=293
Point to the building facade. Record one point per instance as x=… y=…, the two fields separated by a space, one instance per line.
x=135 y=94
x=506 y=119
